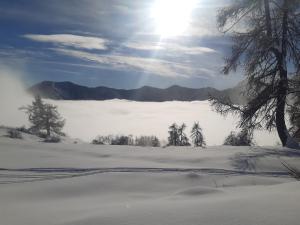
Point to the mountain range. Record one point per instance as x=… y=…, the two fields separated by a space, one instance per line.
x=70 y=91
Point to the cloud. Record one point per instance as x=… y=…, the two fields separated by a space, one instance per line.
x=13 y=96
x=122 y=116
x=144 y=46
x=170 y=47
x=70 y=40
x=158 y=67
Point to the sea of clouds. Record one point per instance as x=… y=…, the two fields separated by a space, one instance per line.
x=87 y=119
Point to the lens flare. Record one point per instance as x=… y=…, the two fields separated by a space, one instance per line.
x=172 y=17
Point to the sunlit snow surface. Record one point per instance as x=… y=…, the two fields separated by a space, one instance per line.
x=76 y=184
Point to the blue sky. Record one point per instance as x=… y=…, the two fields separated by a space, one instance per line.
x=115 y=43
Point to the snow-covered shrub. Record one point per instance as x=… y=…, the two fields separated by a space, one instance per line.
x=23 y=129
x=52 y=139
x=103 y=140
x=97 y=141
x=152 y=141
x=122 y=140
x=126 y=140
x=14 y=133
x=243 y=138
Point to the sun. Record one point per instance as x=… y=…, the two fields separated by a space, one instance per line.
x=172 y=17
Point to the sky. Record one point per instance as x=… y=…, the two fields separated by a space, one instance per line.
x=116 y=43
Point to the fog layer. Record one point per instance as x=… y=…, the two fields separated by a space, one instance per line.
x=87 y=119
x=12 y=97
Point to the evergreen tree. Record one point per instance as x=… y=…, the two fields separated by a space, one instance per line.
x=197 y=136
x=268 y=42
x=173 y=138
x=53 y=123
x=155 y=142
x=182 y=138
x=34 y=111
x=44 y=117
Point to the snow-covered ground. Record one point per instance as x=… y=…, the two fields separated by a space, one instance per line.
x=74 y=183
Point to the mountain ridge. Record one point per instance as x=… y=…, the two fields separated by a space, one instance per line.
x=67 y=90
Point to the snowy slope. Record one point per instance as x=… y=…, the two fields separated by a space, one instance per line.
x=70 y=184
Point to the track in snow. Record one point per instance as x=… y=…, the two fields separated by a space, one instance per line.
x=8 y=176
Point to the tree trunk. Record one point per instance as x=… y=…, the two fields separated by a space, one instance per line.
x=48 y=130
x=268 y=18
x=280 y=112
x=48 y=122
x=283 y=83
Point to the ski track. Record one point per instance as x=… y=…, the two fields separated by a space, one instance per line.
x=24 y=175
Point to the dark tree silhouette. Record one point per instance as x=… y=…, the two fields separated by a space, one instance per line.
x=173 y=138
x=294 y=110
x=35 y=113
x=177 y=137
x=182 y=137
x=52 y=120
x=147 y=141
x=268 y=48
x=197 y=136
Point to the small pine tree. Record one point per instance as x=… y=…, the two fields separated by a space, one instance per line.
x=183 y=139
x=44 y=117
x=35 y=112
x=197 y=136
x=177 y=137
x=53 y=121
x=173 y=135
x=155 y=142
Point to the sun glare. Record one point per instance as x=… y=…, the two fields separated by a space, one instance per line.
x=172 y=17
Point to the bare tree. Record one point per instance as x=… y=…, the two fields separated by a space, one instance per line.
x=266 y=43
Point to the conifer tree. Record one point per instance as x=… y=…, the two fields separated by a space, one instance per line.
x=183 y=139
x=44 y=117
x=197 y=136
x=173 y=138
